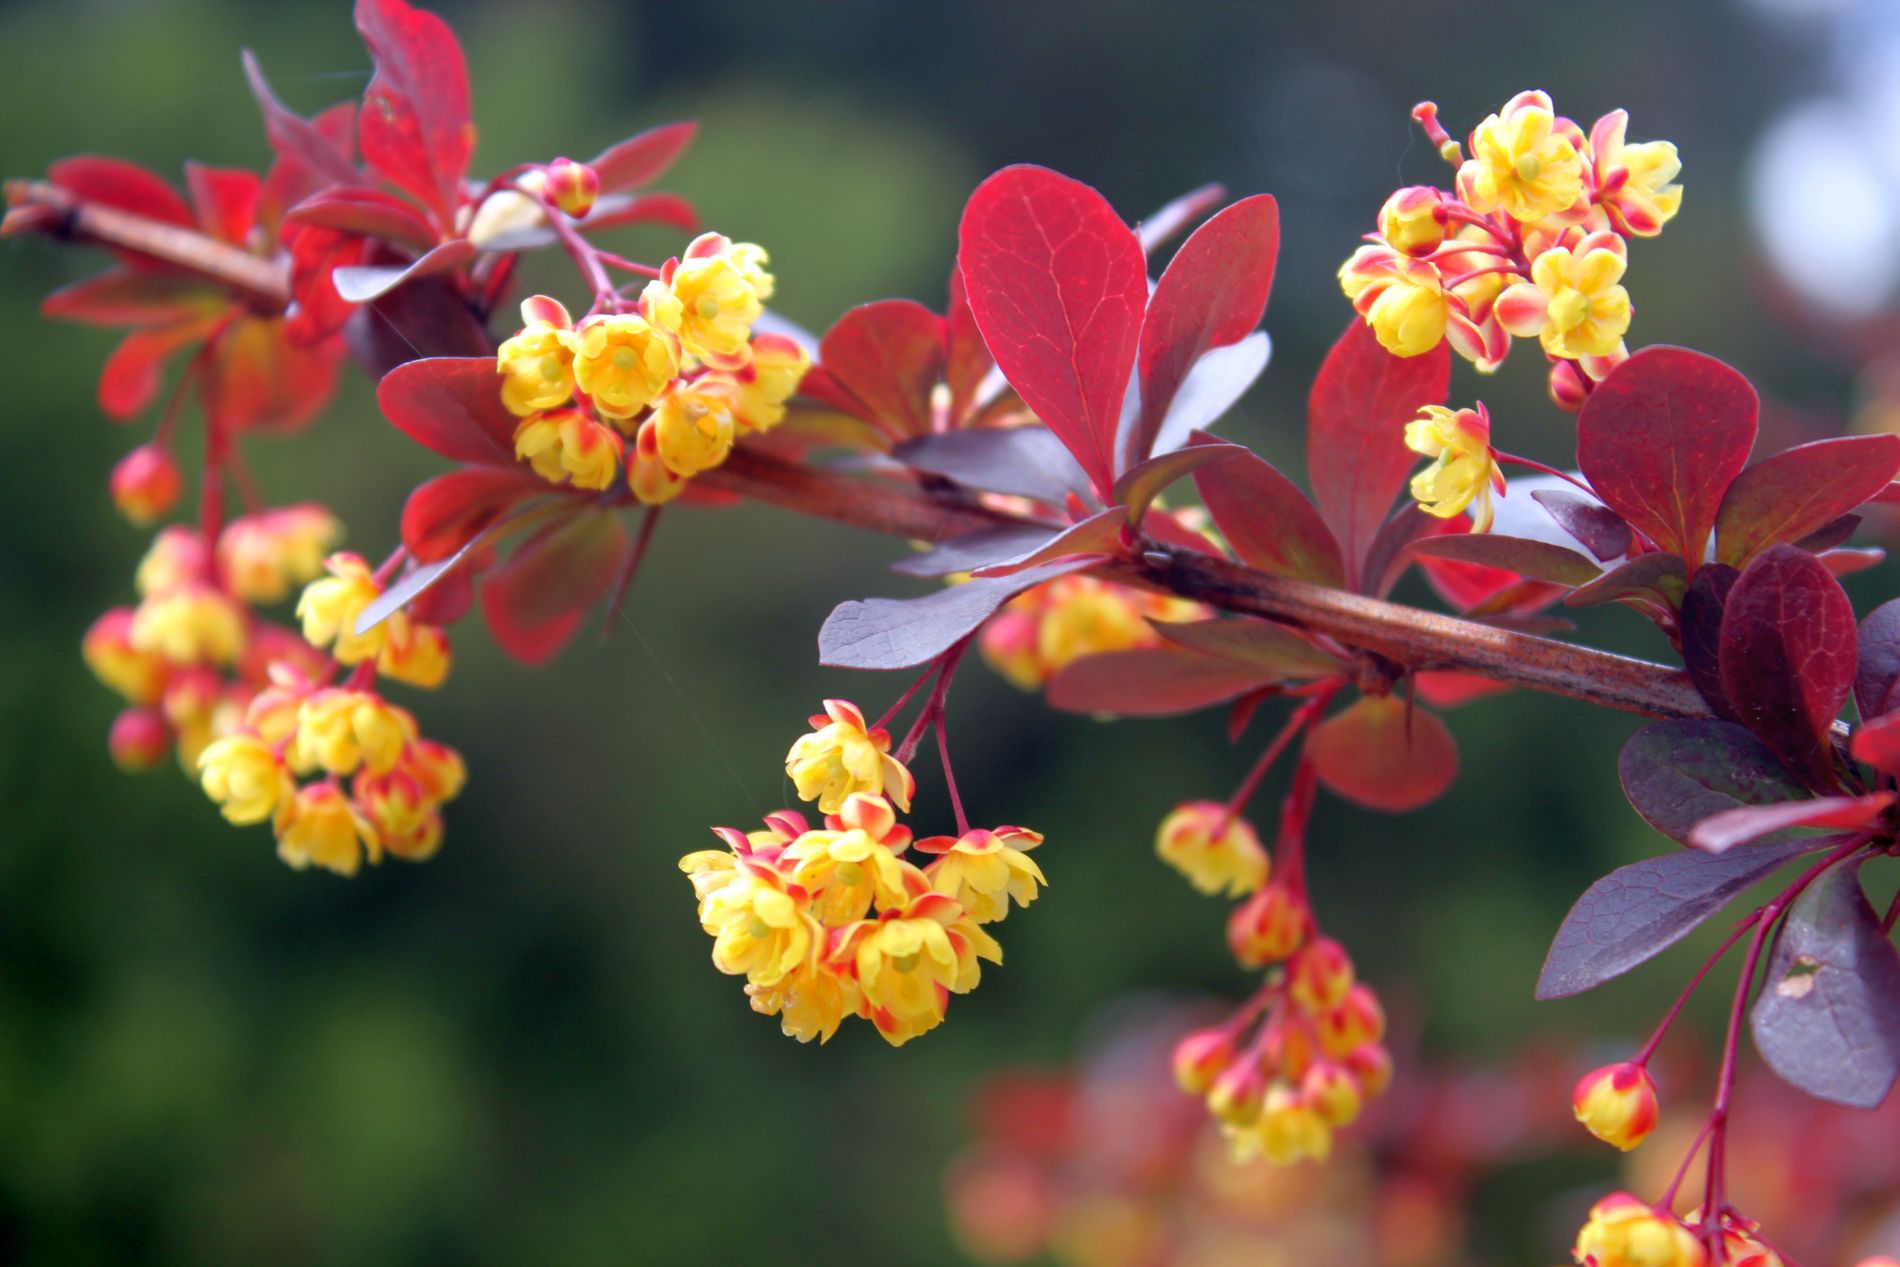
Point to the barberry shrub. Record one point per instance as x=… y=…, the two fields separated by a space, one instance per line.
x=1030 y=437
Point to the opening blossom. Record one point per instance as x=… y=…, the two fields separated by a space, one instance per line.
x=843 y=755
x=1463 y=474
x=1623 y=1231
x=1213 y=847
x=1525 y=161
x=1617 y=1104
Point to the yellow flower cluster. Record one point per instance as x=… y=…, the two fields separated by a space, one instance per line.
x=1049 y=626
x=838 y=921
x=681 y=375
x=1530 y=242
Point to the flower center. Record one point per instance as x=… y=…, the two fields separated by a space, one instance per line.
x=1528 y=168
x=623 y=358
x=1568 y=309
x=707 y=308
x=756 y=926
x=904 y=963
x=850 y=873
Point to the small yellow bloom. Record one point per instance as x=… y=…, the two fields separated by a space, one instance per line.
x=710 y=297
x=437 y=767
x=177 y=557
x=843 y=755
x=1201 y=1057
x=1402 y=299
x=1463 y=473
x=1216 y=850
x=246 y=778
x=537 y=364
x=758 y=928
x=1625 y=1232
x=406 y=820
x=846 y=872
x=263 y=555
x=320 y=827
x=418 y=655
x=693 y=425
x=777 y=367
x=569 y=447
x=811 y=1001
x=1359 y=1019
x=1638 y=182
x=1332 y=1091
x=1286 y=1131
x=1268 y=927
x=983 y=870
x=1319 y=977
x=330 y=606
x=1524 y=160
x=1617 y=1104
x=622 y=362
x=1412 y=220
x=139 y=676
x=1573 y=302
x=190 y=624
x=339 y=729
x=905 y=964
x=647 y=475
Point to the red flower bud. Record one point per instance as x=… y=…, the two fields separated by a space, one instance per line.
x=1617 y=1104
x=572 y=186
x=138 y=740
x=1202 y=1057
x=1268 y=927
x=1568 y=391
x=1320 y=975
x=146 y=483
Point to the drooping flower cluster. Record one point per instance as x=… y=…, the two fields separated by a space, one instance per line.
x=838 y=921
x=1046 y=628
x=1625 y=1231
x=679 y=373
x=1531 y=242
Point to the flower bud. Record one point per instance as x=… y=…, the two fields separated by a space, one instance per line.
x=1617 y=1104
x=1412 y=220
x=1292 y=1131
x=1202 y=1057
x=1320 y=975
x=1268 y=927
x=1372 y=1065
x=1331 y=1090
x=1357 y=1020
x=1568 y=391
x=1289 y=1051
x=146 y=483
x=572 y=186
x=1237 y=1092
x=1625 y=1232
x=138 y=740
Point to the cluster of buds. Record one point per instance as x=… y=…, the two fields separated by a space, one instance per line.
x=1625 y=1231
x=1531 y=241
x=679 y=373
x=1044 y=629
x=301 y=726
x=1300 y=1059
x=838 y=921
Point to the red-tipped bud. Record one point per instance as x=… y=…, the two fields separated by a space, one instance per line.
x=1331 y=1091
x=1289 y=1051
x=1237 y=1093
x=138 y=740
x=1320 y=975
x=572 y=186
x=1357 y=1020
x=1372 y=1065
x=1413 y=221
x=1568 y=391
x=146 y=484
x=1268 y=927
x=1202 y=1057
x=1617 y=1104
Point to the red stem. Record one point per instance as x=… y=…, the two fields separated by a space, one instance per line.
x=1669 y=1018
x=949 y=776
x=1300 y=718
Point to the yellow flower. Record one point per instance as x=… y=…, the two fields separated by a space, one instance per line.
x=710 y=297
x=1216 y=850
x=406 y=820
x=622 y=362
x=340 y=729
x=983 y=870
x=1358 y=1020
x=1625 y=1232
x=758 y=929
x=437 y=768
x=177 y=557
x=778 y=366
x=246 y=778
x=841 y=756
x=537 y=364
x=263 y=555
x=1637 y=182
x=1463 y=471
x=905 y=964
x=1286 y=1131
x=569 y=447
x=1572 y=303
x=1319 y=976
x=811 y=1001
x=647 y=475
x=1412 y=221
x=320 y=827
x=1268 y=927
x=330 y=606
x=418 y=655
x=1617 y=1104
x=1401 y=298
x=1332 y=1091
x=847 y=871
x=1201 y=1057
x=139 y=676
x=693 y=425
x=1524 y=161
x=190 y=624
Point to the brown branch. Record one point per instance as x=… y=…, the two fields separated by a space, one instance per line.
x=1411 y=638
x=36 y=206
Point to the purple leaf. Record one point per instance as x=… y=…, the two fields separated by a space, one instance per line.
x=1788 y=656
x=1788 y=496
x=893 y=633
x=1024 y=461
x=1150 y=682
x=1647 y=578
x=451 y=405
x=1636 y=912
x=1701 y=631
x=1724 y=831
x=976 y=549
x=1601 y=530
x=1268 y=522
x=1221 y=377
x=1878 y=667
x=1099 y=534
x=1272 y=649
x=1142 y=483
x=1538 y=560
x=1828 y=1015
x=1677 y=773
x=360 y=283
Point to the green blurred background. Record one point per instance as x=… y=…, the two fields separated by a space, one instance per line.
x=519 y=1051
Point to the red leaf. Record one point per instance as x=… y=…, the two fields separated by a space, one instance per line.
x=225 y=199
x=1274 y=651
x=1718 y=833
x=1100 y=534
x=667 y=209
x=888 y=355
x=255 y=378
x=1444 y=688
x=367 y=212
x=1656 y=579
x=1150 y=682
x=1788 y=656
x=1516 y=556
x=451 y=405
x=1877 y=671
x=537 y=599
x=1213 y=293
x=1600 y=529
x=1178 y=215
x=114 y=183
x=135 y=370
x=1792 y=494
x=426 y=318
x=1878 y=743
x=1057 y=284
x=1355 y=435
x=296 y=139
x=642 y=158
x=1385 y=754
x=123 y=297
x=447 y=512
x=1267 y=521
x=1701 y=633
x=414 y=129
x=1141 y=483
x=966 y=360
x=1662 y=438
